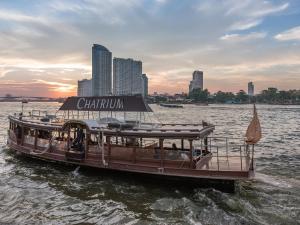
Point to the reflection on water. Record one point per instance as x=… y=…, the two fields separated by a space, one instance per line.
x=34 y=192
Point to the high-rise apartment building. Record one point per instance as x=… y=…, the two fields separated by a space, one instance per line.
x=197 y=82
x=145 y=85
x=250 y=89
x=84 y=88
x=127 y=76
x=101 y=71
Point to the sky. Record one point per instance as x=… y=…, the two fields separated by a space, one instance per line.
x=45 y=46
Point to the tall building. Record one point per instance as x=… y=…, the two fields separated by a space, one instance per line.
x=101 y=70
x=127 y=74
x=197 y=81
x=84 y=88
x=250 y=89
x=145 y=85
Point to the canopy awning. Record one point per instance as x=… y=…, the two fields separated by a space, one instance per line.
x=107 y=103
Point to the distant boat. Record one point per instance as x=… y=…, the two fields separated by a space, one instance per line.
x=61 y=100
x=171 y=105
x=201 y=104
x=24 y=100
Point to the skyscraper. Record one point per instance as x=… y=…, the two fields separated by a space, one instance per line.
x=127 y=75
x=197 y=82
x=84 y=88
x=250 y=89
x=101 y=70
x=145 y=85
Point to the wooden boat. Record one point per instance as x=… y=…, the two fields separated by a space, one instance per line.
x=181 y=151
x=171 y=105
x=24 y=100
x=201 y=104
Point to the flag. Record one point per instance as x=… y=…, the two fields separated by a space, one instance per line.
x=253 y=134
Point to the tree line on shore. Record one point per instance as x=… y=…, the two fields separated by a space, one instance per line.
x=269 y=96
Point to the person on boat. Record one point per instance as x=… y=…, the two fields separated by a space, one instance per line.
x=78 y=141
x=174 y=146
x=18 y=132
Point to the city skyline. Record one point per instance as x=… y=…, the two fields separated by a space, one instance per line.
x=45 y=46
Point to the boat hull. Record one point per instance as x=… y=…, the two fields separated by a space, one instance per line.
x=223 y=184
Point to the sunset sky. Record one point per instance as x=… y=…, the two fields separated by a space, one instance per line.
x=46 y=45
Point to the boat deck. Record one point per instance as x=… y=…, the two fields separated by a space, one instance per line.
x=234 y=163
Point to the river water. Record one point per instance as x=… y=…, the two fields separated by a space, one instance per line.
x=34 y=192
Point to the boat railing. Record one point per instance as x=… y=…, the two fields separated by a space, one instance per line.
x=38 y=113
x=228 y=153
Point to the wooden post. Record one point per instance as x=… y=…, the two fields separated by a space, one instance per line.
x=182 y=144
x=191 y=153
x=109 y=147
x=22 y=137
x=86 y=147
x=162 y=157
x=68 y=138
x=141 y=142
x=206 y=144
x=252 y=161
x=35 y=138
x=134 y=155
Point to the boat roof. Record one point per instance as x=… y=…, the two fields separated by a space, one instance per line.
x=134 y=103
x=143 y=130
x=192 y=131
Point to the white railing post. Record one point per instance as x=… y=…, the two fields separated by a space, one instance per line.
x=241 y=158
x=218 y=158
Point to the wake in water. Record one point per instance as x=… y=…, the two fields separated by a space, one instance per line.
x=75 y=173
x=279 y=182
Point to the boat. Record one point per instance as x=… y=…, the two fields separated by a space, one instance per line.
x=24 y=100
x=101 y=133
x=201 y=104
x=170 y=105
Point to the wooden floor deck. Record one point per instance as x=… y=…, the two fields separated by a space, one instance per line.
x=230 y=163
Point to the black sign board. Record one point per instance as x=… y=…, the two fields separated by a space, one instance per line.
x=107 y=103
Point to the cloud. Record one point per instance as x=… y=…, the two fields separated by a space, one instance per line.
x=51 y=40
x=291 y=34
x=253 y=8
x=241 y=38
x=269 y=9
x=251 y=13
x=245 y=25
x=57 y=86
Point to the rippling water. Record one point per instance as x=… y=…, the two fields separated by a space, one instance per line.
x=34 y=192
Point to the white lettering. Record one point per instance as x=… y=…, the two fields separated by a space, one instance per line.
x=93 y=105
x=87 y=104
x=119 y=104
x=98 y=100
x=114 y=105
x=102 y=104
x=78 y=103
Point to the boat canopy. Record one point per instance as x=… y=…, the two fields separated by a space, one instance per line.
x=107 y=103
x=89 y=124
